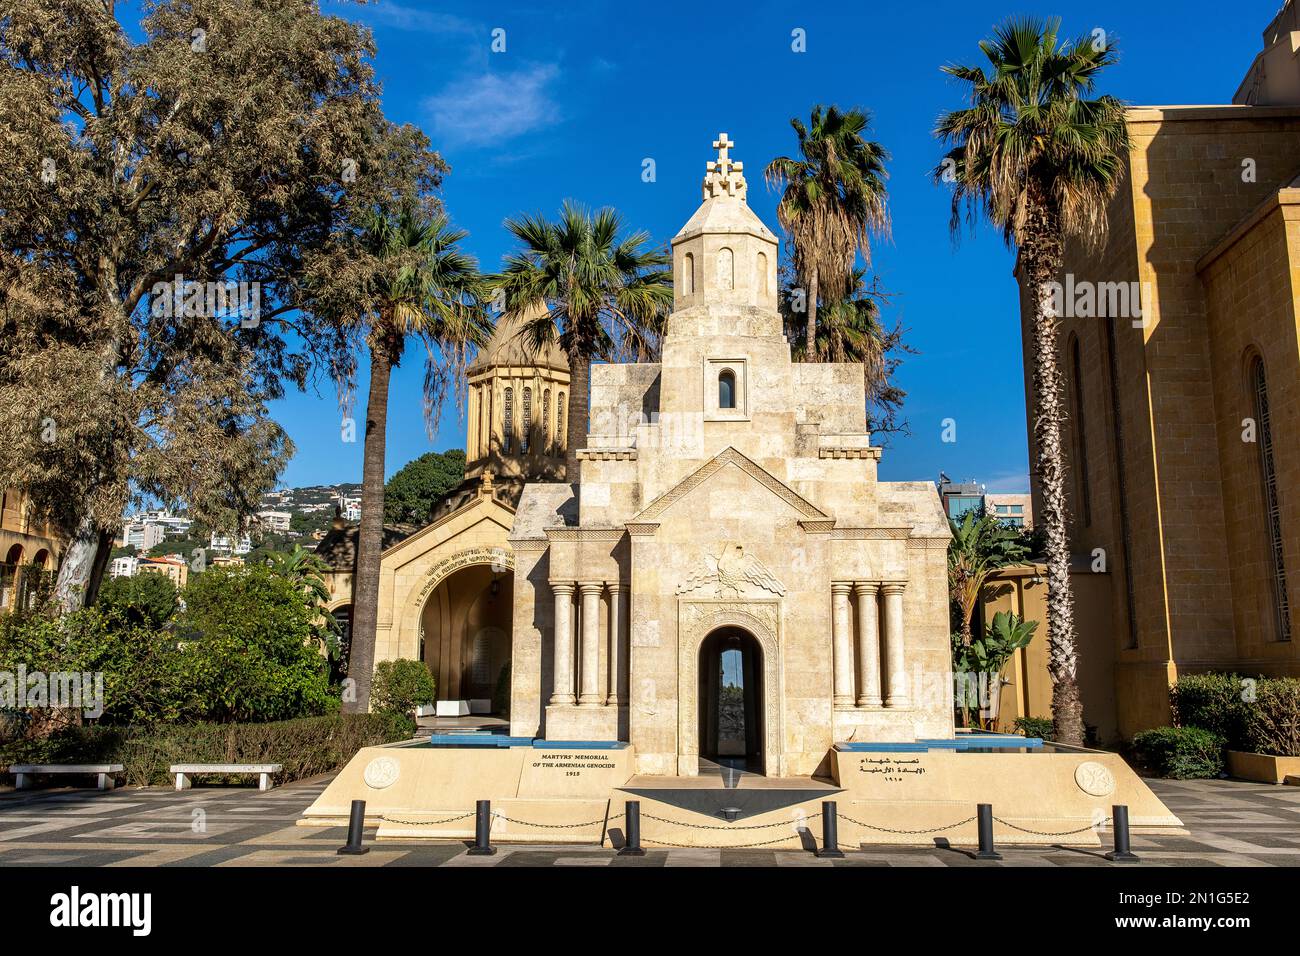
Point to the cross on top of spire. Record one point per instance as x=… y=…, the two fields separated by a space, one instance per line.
x=724 y=176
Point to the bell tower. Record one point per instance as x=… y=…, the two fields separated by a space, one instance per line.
x=724 y=255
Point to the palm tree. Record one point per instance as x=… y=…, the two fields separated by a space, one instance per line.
x=834 y=199
x=981 y=543
x=850 y=330
x=593 y=281
x=413 y=281
x=305 y=569
x=1041 y=159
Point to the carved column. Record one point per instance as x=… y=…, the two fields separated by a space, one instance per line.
x=618 y=676
x=895 y=663
x=868 y=644
x=842 y=640
x=589 y=686
x=563 y=643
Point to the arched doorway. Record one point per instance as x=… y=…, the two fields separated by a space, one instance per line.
x=731 y=698
x=465 y=629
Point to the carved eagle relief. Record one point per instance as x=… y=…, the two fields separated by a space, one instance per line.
x=731 y=570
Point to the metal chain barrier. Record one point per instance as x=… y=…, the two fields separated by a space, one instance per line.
x=705 y=826
x=1046 y=833
x=428 y=823
x=737 y=846
x=557 y=826
x=502 y=816
x=868 y=826
x=755 y=826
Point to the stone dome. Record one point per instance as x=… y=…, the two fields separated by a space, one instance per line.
x=508 y=346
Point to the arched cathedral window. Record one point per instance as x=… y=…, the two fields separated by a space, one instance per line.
x=508 y=416
x=527 y=419
x=560 y=434
x=1272 y=511
x=546 y=420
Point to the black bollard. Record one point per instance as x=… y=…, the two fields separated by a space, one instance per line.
x=986 y=851
x=632 y=823
x=356 y=830
x=1121 y=853
x=830 y=833
x=482 y=829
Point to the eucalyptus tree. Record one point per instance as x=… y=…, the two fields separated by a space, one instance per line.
x=1038 y=154
x=163 y=181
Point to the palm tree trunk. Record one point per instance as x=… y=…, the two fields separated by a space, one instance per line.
x=1042 y=259
x=579 y=410
x=370 y=538
x=810 y=351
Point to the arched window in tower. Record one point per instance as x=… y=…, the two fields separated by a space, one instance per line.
x=560 y=433
x=688 y=274
x=508 y=421
x=527 y=423
x=761 y=283
x=727 y=389
x=726 y=269
x=1272 y=511
x=546 y=421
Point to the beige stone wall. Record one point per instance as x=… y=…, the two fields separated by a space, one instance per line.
x=1251 y=292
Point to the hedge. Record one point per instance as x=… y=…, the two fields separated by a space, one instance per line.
x=1213 y=702
x=1184 y=753
x=1041 y=727
x=1273 y=722
x=307 y=746
x=1257 y=715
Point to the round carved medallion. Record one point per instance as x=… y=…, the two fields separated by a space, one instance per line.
x=381 y=772
x=1094 y=779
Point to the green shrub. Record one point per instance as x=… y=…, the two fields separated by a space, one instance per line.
x=307 y=747
x=1213 y=702
x=147 y=599
x=1272 y=724
x=256 y=645
x=146 y=675
x=501 y=699
x=1036 y=727
x=401 y=686
x=1183 y=753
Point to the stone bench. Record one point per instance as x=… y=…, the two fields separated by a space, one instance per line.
x=104 y=771
x=184 y=771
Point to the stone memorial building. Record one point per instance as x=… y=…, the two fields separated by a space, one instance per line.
x=727 y=537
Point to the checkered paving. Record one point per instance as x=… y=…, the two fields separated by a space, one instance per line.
x=1229 y=824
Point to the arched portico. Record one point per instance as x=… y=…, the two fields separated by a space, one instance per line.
x=465 y=629
x=754 y=625
x=731 y=710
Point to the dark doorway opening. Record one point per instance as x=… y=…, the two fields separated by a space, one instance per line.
x=731 y=701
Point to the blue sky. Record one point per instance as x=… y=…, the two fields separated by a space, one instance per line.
x=586 y=91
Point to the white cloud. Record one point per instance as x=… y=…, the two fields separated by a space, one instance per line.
x=493 y=107
x=413 y=20
x=1009 y=483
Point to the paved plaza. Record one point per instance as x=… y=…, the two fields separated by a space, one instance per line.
x=1229 y=824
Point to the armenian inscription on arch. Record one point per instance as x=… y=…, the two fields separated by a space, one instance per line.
x=499 y=559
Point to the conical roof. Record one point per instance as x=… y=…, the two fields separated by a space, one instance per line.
x=509 y=346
